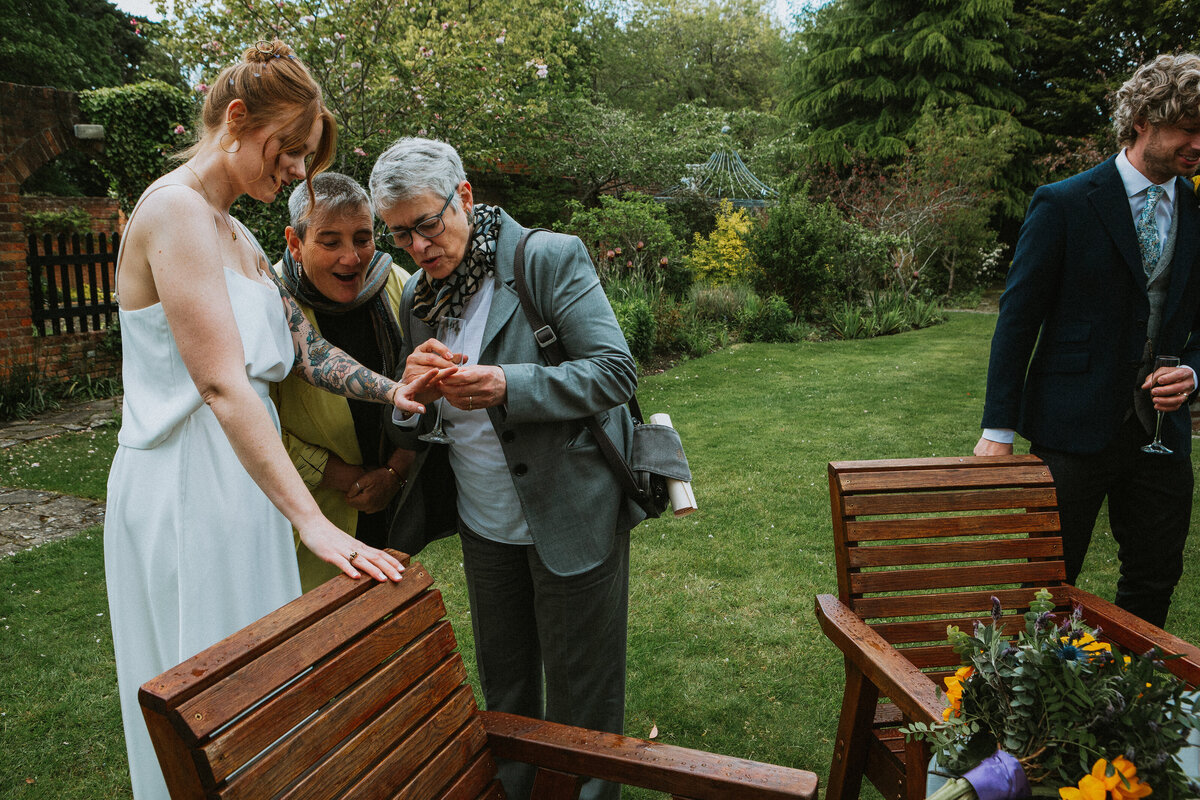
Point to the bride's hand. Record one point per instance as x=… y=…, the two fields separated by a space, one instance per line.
x=330 y=544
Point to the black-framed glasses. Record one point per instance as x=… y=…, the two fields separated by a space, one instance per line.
x=428 y=228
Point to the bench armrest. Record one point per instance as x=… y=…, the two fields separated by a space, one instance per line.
x=896 y=678
x=635 y=762
x=1136 y=635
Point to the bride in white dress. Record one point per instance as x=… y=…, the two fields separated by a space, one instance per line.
x=197 y=540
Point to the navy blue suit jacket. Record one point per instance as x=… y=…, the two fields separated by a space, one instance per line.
x=1072 y=326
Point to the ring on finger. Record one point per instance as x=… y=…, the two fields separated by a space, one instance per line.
x=353 y=555
x=470 y=402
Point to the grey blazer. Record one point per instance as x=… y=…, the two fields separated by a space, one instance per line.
x=570 y=498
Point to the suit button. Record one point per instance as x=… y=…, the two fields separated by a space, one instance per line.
x=520 y=469
x=507 y=436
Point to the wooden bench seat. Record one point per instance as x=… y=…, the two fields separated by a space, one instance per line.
x=356 y=690
x=925 y=543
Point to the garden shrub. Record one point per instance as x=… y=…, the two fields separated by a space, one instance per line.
x=723 y=256
x=68 y=221
x=811 y=255
x=722 y=302
x=144 y=124
x=850 y=321
x=637 y=322
x=766 y=320
x=630 y=236
x=681 y=330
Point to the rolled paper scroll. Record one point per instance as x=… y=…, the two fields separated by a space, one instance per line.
x=683 y=500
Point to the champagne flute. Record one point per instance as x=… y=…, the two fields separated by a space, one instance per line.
x=450 y=331
x=1157 y=446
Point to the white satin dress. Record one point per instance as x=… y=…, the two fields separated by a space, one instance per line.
x=193 y=549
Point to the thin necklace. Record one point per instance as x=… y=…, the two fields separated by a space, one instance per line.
x=203 y=188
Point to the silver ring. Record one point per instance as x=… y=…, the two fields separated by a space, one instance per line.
x=353 y=555
x=356 y=486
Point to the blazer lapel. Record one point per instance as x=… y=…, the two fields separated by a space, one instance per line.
x=1107 y=196
x=504 y=300
x=1187 y=245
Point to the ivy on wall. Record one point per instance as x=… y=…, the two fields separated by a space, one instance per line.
x=144 y=124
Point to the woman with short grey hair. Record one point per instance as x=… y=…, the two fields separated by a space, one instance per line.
x=543 y=523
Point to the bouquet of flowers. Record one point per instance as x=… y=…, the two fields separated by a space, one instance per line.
x=1054 y=711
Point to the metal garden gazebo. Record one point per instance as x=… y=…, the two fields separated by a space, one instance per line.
x=724 y=177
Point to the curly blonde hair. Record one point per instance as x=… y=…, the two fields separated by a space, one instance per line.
x=1161 y=91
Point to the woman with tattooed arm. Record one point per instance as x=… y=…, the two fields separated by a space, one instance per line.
x=197 y=541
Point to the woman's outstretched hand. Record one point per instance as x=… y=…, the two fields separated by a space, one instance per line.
x=331 y=544
x=431 y=355
x=426 y=383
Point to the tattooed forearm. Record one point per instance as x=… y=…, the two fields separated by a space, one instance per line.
x=328 y=367
x=331 y=369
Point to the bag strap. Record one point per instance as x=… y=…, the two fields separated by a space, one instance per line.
x=552 y=348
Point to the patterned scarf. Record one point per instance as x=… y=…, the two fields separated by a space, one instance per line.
x=435 y=298
x=383 y=319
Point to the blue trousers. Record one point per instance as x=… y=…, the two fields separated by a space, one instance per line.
x=549 y=646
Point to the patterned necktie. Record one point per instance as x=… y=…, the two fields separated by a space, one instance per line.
x=1147 y=230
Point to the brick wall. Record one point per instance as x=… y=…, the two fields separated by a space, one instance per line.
x=36 y=126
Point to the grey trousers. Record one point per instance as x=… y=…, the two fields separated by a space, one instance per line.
x=548 y=646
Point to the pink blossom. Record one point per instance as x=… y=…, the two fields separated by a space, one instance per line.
x=610 y=254
x=358 y=151
x=341 y=37
x=308 y=19
x=445 y=25
x=542 y=70
x=629 y=264
x=641 y=245
x=617 y=250
x=355 y=65
x=662 y=262
x=202 y=88
x=179 y=129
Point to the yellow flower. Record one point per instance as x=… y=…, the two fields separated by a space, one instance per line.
x=1131 y=787
x=1123 y=784
x=954 y=691
x=1089 y=789
x=1083 y=647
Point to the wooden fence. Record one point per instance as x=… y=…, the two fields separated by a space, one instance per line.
x=71 y=285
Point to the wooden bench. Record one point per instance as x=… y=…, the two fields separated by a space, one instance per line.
x=356 y=690
x=925 y=543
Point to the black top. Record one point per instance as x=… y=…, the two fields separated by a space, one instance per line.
x=354 y=333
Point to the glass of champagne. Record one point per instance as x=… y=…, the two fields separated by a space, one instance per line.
x=1157 y=446
x=450 y=331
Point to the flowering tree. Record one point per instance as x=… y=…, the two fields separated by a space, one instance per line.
x=467 y=72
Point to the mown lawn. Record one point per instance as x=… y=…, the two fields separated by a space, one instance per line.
x=725 y=653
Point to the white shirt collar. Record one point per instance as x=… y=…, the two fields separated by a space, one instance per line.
x=1137 y=183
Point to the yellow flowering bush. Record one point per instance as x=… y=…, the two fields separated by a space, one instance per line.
x=1067 y=713
x=724 y=256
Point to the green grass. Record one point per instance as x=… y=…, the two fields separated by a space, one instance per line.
x=724 y=650
x=70 y=463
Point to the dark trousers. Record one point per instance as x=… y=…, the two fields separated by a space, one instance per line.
x=549 y=646
x=1149 y=510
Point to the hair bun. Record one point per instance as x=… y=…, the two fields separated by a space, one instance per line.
x=263 y=51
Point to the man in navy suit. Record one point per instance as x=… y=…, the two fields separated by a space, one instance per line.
x=1105 y=278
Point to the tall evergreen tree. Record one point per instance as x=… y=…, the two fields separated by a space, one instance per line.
x=866 y=70
x=1059 y=75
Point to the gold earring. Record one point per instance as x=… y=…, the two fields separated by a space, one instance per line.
x=221 y=143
